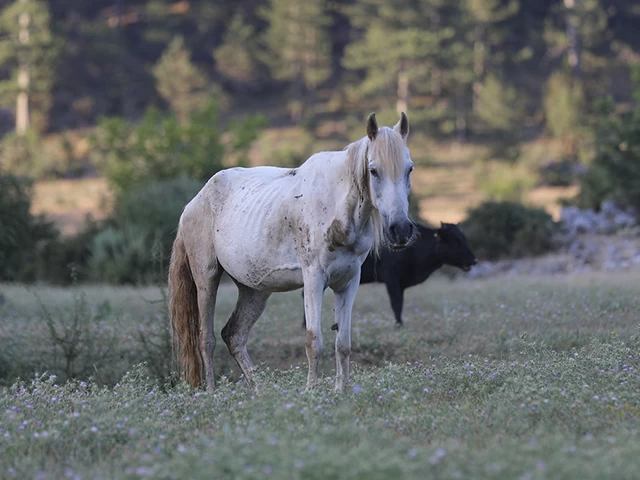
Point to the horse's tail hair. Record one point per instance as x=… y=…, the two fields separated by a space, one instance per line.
x=185 y=318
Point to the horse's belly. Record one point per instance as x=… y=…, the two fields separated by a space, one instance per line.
x=260 y=267
x=282 y=280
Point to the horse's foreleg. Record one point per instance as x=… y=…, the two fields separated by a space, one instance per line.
x=313 y=289
x=344 y=306
x=235 y=333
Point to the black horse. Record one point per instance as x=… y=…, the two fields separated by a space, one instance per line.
x=401 y=269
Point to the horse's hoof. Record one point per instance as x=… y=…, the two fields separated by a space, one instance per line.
x=399 y=324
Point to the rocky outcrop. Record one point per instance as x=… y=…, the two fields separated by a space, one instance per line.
x=609 y=219
x=588 y=241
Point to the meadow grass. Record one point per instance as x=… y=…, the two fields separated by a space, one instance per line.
x=515 y=377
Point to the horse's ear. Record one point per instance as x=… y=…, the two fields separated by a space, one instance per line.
x=402 y=127
x=372 y=127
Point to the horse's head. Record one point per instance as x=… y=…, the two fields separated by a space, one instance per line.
x=389 y=166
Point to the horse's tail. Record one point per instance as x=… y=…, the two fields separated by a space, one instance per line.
x=185 y=318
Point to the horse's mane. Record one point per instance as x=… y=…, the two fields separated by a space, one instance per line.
x=386 y=149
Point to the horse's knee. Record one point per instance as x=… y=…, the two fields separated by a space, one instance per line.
x=228 y=335
x=343 y=349
x=234 y=341
x=314 y=342
x=209 y=345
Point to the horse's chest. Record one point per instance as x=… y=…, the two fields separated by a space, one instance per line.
x=342 y=269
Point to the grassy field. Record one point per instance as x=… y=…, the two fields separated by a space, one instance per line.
x=518 y=377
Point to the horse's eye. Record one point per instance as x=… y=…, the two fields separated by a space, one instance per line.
x=410 y=169
x=373 y=172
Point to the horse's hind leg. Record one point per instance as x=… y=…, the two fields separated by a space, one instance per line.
x=207 y=293
x=250 y=306
x=206 y=272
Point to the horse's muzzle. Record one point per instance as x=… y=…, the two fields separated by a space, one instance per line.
x=400 y=234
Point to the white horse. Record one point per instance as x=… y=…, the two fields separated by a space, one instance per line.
x=278 y=229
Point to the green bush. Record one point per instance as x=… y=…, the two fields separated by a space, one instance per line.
x=160 y=147
x=136 y=243
x=508 y=229
x=22 y=235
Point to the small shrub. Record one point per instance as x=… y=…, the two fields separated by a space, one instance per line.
x=134 y=248
x=83 y=339
x=508 y=229
x=155 y=342
x=121 y=256
x=59 y=260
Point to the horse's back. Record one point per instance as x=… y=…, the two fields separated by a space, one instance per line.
x=266 y=220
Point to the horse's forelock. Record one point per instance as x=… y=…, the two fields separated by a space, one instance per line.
x=388 y=149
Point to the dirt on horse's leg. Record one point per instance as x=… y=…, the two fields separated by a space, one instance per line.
x=250 y=306
x=304 y=319
x=313 y=289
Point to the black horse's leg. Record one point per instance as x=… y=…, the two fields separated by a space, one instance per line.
x=304 y=318
x=396 y=295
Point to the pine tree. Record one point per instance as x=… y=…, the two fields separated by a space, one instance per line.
x=179 y=81
x=576 y=34
x=237 y=57
x=398 y=49
x=298 y=49
x=28 y=54
x=485 y=20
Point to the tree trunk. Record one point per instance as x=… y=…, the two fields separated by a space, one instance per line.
x=479 y=59
x=461 y=117
x=573 y=54
x=436 y=82
x=296 y=58
x=24 y=76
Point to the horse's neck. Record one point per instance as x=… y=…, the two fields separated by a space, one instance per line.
x=352 y=205
x=359 y=209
